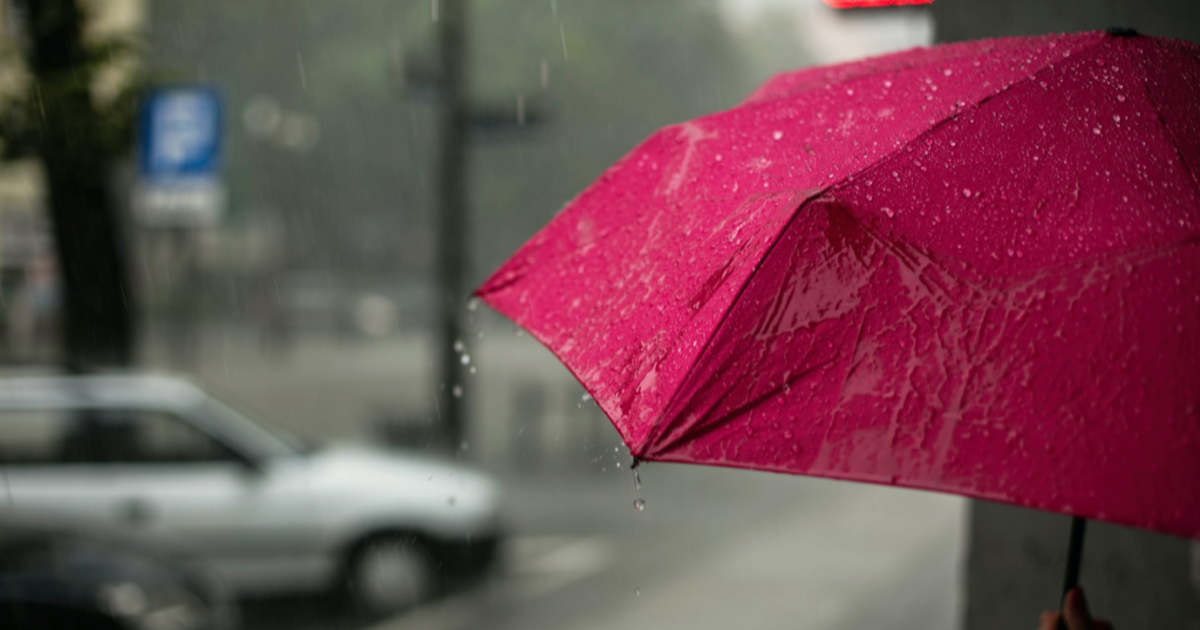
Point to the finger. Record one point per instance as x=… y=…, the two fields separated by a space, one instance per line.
x=1049 y=621
x=1075 y=609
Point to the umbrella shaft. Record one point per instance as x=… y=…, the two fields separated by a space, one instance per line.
x=1074 y=555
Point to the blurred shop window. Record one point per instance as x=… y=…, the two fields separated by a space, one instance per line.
x=38 y=436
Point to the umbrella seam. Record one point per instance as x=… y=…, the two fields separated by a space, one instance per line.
x=664 y=422
x=1162 y=121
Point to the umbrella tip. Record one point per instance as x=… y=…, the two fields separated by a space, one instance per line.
x=1121 y=31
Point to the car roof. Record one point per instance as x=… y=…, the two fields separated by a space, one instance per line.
x=107 y=390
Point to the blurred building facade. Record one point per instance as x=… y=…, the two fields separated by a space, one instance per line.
x=1015 y=557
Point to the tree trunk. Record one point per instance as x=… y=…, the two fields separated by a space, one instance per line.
x=96 y=324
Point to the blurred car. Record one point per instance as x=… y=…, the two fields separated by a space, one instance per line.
x=160 y=454
x=58 y=575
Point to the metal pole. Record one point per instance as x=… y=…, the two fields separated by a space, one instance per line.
x=452 y=220
x=1074 y=555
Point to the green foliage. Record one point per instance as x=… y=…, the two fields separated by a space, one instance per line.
x=82 y=111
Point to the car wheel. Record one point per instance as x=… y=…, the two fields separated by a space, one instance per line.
x=388 y=574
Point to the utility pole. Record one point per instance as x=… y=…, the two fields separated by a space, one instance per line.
x=452 y=204
x=459 y=121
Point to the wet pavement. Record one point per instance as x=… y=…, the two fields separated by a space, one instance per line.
x=712 y=549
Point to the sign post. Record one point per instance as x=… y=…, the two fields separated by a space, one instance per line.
x=180 y=190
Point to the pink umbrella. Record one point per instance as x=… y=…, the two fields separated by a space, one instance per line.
x=971 y=268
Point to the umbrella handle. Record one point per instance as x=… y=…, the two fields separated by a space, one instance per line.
x=1074 y=555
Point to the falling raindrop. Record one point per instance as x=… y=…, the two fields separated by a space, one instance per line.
x=473 y=304
x=639 y=504
x=472 y=369
x=637 y=591
x=458 y=345
x=466 y=358
x=457 y=391
x=618 y=464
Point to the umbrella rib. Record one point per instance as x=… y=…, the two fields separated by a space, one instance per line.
x=663 y=424
x=1162 y=121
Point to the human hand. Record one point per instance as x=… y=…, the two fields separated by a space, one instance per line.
x=1075 y=609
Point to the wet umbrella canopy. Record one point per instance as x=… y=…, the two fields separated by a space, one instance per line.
x=969 y=268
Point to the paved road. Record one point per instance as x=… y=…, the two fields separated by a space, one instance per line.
x=713 y=548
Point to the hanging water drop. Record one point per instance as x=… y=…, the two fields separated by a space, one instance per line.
x=639 y=504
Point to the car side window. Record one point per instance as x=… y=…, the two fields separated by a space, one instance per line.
x=137 y=436
x=41 y=436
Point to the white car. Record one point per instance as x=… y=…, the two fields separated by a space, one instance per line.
x=159 y=453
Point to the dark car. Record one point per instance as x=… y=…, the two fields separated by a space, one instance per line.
x=70 y=576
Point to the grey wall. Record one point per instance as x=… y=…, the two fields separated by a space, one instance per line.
x=1016 y=556
x=956 y=20
x=1136 y=579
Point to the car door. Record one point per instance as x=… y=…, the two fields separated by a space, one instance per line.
x=48 y=468
x=246 y=517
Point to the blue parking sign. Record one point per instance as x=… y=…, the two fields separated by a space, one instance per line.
x=181 y=133
x=180 y=145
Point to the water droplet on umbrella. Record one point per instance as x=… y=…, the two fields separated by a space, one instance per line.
x=639 y=504
x=777 y=135
x=888 y=212
x=585 y=397
x=1116 y=118
x=457 y=391
x=947 y=72
x=966 y=192
x=1096 y=130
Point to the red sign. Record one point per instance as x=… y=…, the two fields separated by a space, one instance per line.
x=866 y=4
